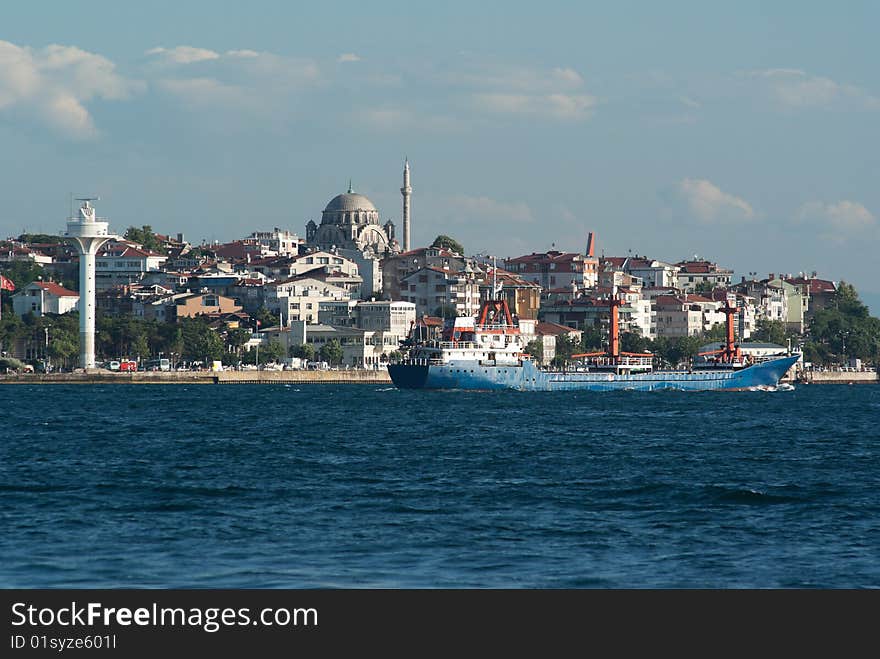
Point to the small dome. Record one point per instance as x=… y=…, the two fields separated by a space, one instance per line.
x=350 y=201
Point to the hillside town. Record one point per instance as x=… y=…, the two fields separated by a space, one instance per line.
x=350 y=292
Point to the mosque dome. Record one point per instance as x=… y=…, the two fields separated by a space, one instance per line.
x=349 y=201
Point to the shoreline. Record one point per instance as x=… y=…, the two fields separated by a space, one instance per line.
x=354 y=376
x=203 y=377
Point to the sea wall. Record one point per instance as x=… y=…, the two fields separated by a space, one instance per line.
x=202 y=377
x=838 y=377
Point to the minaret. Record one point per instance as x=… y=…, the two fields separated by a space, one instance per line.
x=88 y=234
x=406 y=191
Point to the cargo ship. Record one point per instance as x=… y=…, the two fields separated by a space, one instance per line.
x=487 y=352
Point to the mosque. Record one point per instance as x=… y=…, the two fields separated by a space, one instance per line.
x=350 y=225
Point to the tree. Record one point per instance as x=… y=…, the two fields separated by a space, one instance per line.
x=446 y=311
x=566 y=346
x=445 y=242
x=305 y=351
x=592 y=338
x=145 y=237
x=272 y=351
x=771 y=331
x=332 y=352
x=266 y=318
x=535 y=348
x=717 y=333
x=22 y=273
x=633 y=342
x=236 y=338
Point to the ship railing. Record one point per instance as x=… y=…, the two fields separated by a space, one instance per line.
x=418 y=362
x=466 y=345
x=623 y=360
x=494 y=327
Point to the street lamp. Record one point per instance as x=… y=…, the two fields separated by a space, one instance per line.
x=48 y=364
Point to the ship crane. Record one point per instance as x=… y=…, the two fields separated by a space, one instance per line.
x=614 y=356
x=730 y=353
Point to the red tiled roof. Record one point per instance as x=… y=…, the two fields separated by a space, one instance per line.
x=56 y=289
x=544 y=327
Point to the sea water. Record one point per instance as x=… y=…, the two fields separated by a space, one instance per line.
x=367 y=486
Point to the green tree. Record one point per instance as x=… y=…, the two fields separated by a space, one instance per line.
x=535 y=348
x=446 y=311
x=21 y=273
x=266 y=318
x=566 y=346
x=236 y=338
x=593 y=338
x=717 y=333
x=445 y=242
x=63 y=346
x=633 y=342
x=771 y=331
x=145 y=237
x=273 y=351
x=331 y=352
x=305 y=351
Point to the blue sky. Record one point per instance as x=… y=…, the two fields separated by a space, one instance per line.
x=742 y=132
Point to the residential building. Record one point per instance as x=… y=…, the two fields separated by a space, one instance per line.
x=196 y=304
x=299 y=298
x=397 y=266
x=437 y=291
x=702 y=275
x=42 y=297
x=122 y=262
x=557 y=270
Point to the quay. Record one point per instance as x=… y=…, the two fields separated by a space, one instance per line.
x=837 y=376
x=101 y=376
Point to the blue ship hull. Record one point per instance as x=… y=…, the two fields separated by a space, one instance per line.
x=526 y=376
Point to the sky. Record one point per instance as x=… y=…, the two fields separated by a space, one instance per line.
x=746 y=133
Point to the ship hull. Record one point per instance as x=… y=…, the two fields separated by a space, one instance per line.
x=525 y=376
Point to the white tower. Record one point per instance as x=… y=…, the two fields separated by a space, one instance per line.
x=406 y=191
x=88 y=234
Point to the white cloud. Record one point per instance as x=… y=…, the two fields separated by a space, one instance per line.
x=348 y=57
x=242 y=53
x=257 y=83
x=203 y=92
x=557 y=106
x=708 y=203
x=55 y=84
x=389 y=119
x=794 y=88
x=843 y=216
x=183 y=54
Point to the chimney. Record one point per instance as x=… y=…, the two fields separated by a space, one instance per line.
x=591 y=246
x=772 y=276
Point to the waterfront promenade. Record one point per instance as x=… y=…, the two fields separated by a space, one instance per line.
x=100 y=376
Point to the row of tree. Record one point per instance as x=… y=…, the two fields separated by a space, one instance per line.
x=55 y=339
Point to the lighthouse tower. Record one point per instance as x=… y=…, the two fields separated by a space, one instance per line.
x=88 y=234
x=406 y=191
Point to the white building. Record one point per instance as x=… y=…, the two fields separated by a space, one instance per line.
x=432 y=289
x=42 y=297
x=282 y=242
x=685 y=315
x=121 y=262
x=299 y=298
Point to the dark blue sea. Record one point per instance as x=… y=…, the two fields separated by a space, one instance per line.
x=365 y=486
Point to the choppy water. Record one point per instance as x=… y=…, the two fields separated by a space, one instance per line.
x=270 y=486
